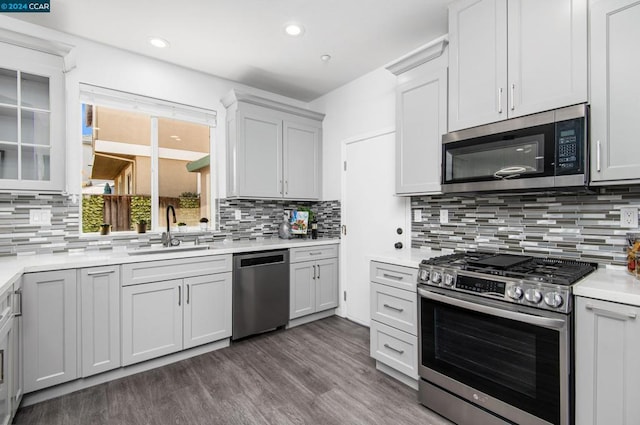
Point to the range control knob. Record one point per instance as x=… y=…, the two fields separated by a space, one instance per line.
x=436 y=277
x=449 y=279
x=423 y=275
x=515 y=293
x=553 y=299
x=533 y=296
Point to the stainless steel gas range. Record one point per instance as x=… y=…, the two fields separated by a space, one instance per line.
x=496 y=338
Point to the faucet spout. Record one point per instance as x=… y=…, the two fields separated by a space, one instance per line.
x=167 y=241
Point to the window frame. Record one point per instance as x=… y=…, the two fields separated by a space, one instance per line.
x=156 y=108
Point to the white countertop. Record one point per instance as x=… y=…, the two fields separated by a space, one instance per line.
x=11 y=268
x=407 y=257
x=610 y=284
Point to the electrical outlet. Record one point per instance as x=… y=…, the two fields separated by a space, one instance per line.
x=238 y=215
x=39 y=217
x=417 y=216
x=629 y=217
x=444 y=216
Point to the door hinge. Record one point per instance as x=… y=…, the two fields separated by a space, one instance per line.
x=345 y=166
x=345 y=295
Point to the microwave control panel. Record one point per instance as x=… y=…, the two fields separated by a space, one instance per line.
x=569 y=146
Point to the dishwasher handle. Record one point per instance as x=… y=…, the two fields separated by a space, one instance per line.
x=261 y=259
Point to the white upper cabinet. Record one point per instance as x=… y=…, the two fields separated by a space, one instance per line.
x=615 y=91
x=547 y=54
x=421 y=118
x=274 y=150
x=514 y=58
x=32 y=120
x=477 y=62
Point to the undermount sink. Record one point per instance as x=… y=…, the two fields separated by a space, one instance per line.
x=169 y=250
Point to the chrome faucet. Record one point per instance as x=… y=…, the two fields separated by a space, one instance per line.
x=167 y=240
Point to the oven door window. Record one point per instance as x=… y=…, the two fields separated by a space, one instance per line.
x=529 y=153
x=514 y=362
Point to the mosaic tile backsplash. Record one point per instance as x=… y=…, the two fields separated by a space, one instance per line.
x=258 y=219
x=573 y=226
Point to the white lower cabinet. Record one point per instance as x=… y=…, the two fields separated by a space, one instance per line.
x=151 y=320
x=607 y=353
x=17 y=381
x=99 y=319
x=163 y=317
x=207 y=309
x=50 y=333
x=394 y=320
x=313 y=284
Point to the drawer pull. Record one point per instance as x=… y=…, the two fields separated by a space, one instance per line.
x=393 y=349
x=399 y=310
x=390 y=276
x=611 y=314
x=98 y=272
x=315 y=253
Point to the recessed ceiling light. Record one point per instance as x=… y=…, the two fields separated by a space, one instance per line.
x=158 y=42
x=174 y=137
x=325 y=58
x=294 y=30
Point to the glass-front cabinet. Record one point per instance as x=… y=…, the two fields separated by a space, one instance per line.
x=31 y=120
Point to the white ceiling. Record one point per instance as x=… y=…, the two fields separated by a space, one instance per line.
x=244 y=40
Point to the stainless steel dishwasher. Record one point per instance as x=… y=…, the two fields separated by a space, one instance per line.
x=260 y=292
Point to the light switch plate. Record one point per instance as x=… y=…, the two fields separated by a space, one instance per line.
x=629 y=217
x=444 y=216
x=238 y=215
x=417 y=216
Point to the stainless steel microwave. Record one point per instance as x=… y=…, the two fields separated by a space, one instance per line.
x=544 y=150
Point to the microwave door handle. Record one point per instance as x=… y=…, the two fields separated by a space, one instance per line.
x=492 y=311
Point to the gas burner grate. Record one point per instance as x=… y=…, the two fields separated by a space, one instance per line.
x=547 y=270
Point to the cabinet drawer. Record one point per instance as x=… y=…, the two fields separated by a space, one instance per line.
x=394 y=348
x=394 y=307
x=396 y=276
x=155 y=271
x=310 y=253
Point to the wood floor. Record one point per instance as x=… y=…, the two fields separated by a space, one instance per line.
x=319 y=373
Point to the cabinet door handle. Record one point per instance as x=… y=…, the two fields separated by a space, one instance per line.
x=98 y=272
x=179 y=295
x=611 y=314
x=188 y=291
x=19 y=294
x=286 y=187
x=393 y=349
x=314 y=272
x=513 y=90
x=280 y=187
x=399 y=310
x=318 y=271
x=598 y=156
x=1 y=366
x=500 y=100
x=390 y=276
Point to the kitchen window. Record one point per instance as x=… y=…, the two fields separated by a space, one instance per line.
x=141 y=155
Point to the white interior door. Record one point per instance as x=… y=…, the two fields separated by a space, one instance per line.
x=372 y=214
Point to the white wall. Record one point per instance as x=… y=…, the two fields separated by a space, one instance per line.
x=361 y=107
x=117 y=69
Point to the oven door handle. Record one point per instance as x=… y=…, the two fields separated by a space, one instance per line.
x=507 y=314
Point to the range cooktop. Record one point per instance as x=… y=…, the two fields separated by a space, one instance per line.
x=537 y=282
x=546 y=270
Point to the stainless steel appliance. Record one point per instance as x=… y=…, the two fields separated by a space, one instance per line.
x=545 y=150
x=260 y=292
x=495 y=337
